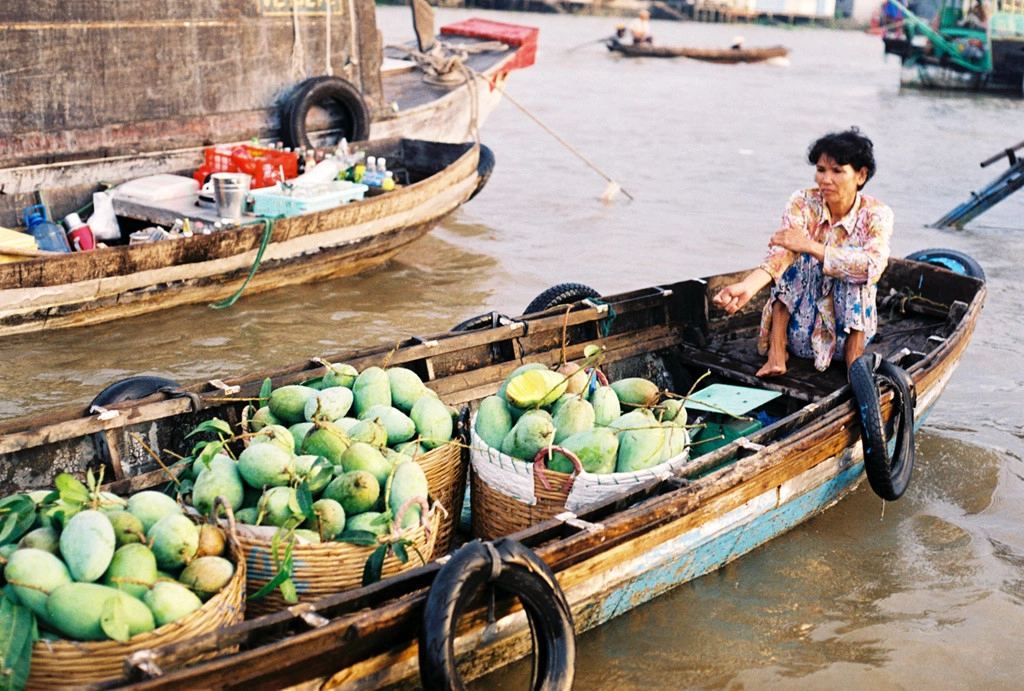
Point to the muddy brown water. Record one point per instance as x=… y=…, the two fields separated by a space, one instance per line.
x=928 y=592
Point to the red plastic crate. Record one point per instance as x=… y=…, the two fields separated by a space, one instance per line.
x=264 y=165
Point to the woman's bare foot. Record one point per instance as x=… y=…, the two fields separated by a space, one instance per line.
x=775 y=366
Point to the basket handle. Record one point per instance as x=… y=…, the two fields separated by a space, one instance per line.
x=601 y=377
x=538 y=465
x=419 y=500
x=230 y=530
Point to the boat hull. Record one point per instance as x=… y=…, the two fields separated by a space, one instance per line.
x=725 y=55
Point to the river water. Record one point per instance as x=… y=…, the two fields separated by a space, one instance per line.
x=928 y=592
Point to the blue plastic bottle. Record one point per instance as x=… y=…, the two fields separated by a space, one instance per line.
x=49 y=236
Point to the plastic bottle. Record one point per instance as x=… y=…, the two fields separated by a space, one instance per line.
x=389 y=181
x=372 y=176
x=80 y=235
x=49 y=236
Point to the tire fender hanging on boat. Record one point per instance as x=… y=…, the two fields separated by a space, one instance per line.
x=319 y=91
x=561 y=294
x=957 y=262
x=131 y=389
x=484 y=167
x=508 y=566
x=888 y=476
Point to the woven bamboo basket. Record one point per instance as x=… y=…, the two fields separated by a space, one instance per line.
x=325 y=568
x=508 y=495
x=446 y=468
x=73 y=664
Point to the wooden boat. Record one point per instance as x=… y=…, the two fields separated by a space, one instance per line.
x=959 y=50
x=721 y=55
x=151 y=82
x=77 y=288
x=608 y=557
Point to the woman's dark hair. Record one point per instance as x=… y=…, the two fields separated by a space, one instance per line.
x=845 y=147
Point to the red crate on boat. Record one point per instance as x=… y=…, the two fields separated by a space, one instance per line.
x=266 y=166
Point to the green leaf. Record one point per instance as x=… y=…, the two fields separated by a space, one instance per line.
x=284 y=566
x=17 y=633
x=212 y=425
x=305 y=498
x=374 y=565
x=265 y=391
x=210 y=450
x=288 y=591
x=112 y=620
x=17 y=523
x=400 y=552
x=364 y=538
x=71 y=489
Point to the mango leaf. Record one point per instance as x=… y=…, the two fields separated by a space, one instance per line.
x=19 y=520
x=285 y=568
x=17 y=634
x=363 y=538
x=112 y=620
x=71 y=489
x=265 y=391
x=212 y=425
x=374 y=565
x=209 y=450
x=305 y=498
x=399 y=548
x=288 y=591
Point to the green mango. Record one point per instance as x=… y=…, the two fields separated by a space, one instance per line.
x=362 y=456
x=280 y=506
x=261 y=418
x=406 y=388
x=206 y=576
x=433 y=420
x=220 y=479
x=92 y=612
x=493 y=421
x=150 y=506
x=370 y=431
x=357 y=491
x=174 y=540
x=534 y=431
x=288 y=403
x=132 y=570
x=535 y=388
x=329 y=404
x=408 y=481
x=575 y=415
x=310 y=536
x=248 y=515
x=671 y=410
x=108 y=501
x=634 y=419
x=329 y=519
x=33 y=574
x=606 y=405
x=275 y=434
x=317 y=471
x=371 y=388
x=87 y=545
x=676 y=440
x=170 y=601
x=299 y=431
x=340 y=375
x=410 y=449
x=596 y=448
x=128 y=529
x=367 y=521
x=398 y=426
x=263 y=465
x=640 y=448
x=327 y=439
x=636 y=391
x=46 y=539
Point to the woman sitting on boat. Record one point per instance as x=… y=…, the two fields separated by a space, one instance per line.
x=825 y=262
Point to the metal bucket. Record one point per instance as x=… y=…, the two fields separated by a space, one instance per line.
x=229 y=192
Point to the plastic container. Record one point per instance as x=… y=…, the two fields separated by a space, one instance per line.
x=277 y=202
x=49 y=236
x=80 y=236
x=156 y=188
x=265 y=166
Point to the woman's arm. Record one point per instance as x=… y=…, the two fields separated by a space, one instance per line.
x=864 y=256
x=733 y=297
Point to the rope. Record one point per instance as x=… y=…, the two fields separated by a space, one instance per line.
x=328 y=70
x=606 y=323
x=268 y=229
x=298 y=52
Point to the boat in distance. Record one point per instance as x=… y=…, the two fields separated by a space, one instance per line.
x=719 y=55
x=797 y=452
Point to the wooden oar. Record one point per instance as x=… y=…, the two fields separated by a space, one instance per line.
x=26 y=252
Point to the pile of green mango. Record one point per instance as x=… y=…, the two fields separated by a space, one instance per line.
x=94 y=566
x=350 y=438
x=625 y=426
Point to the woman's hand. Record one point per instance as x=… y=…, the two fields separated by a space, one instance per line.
x=733 y=297
x=794 y=240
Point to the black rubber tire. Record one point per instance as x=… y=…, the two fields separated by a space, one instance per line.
x=355 y=122
x=481 y=322
x=957 y=262
x=522 y=574
x=132 y=389
x=561 y=294
x=888 y=477
x=484 y=168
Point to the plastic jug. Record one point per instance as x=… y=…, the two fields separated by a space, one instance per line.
x=49 y=236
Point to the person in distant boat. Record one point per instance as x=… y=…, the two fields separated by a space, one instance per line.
x=737 y=43
x=824 y=262
x=977 y=18
x=620 y=33
x=640 y=29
